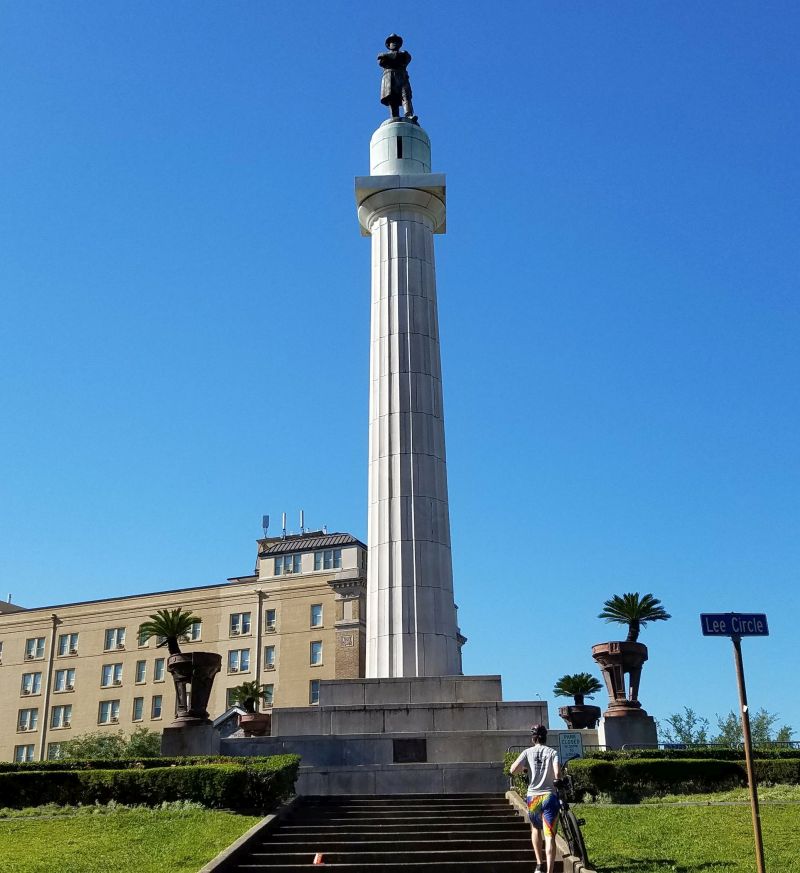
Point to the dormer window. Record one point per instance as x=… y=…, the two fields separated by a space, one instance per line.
x=286 y=564
x=329 y=559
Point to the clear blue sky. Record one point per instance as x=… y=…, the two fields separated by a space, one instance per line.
x=184 y=330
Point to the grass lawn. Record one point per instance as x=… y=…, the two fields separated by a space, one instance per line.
x=125 y=841
x=689 y=839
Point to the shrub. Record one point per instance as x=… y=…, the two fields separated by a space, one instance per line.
x=717 y=753
x=778 y=772
x=142 y=743
x=629 y=776
x=128 y=763
x=630 y=780
x=240 y=785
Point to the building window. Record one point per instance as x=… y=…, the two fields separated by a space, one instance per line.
x=269 y=694
x=270 y=619
x=313 y=691
x=65 y=680
x=286 y=564
x=34 y=649
x=156 y=706
x=31 y=684
x=53 y=751
x=22 y=754
x=316 y=615
x=67 y=644
x=109 y=712
x=239 y=623
x=27 y=719
x=158 y=669
x=115 y=638
x=111 y=675
x=138 y=708
x=269 y=657
x=194 y=633
x=142 y=640
x=329 y=559
x=140 y=675
x=239 y=660
x=61 y=716
x=316 y=653
x=229 y=701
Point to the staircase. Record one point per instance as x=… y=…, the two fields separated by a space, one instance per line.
x=409 y=833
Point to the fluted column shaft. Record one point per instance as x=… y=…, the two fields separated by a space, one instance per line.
x=411 y=617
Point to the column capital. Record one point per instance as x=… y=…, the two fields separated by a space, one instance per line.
x=424 y=192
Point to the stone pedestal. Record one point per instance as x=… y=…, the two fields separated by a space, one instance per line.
x=629 y=731
x=202 y=739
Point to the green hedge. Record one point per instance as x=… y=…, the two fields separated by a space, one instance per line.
x=131 y=763
x=243 y=785
x=632 y=779
x=719 y=753
x=782 y=772
x=628 y=778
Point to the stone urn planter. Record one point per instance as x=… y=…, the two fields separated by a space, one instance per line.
x=256 y=724
x=616 y=660
x=193 y=675
x=579 y=717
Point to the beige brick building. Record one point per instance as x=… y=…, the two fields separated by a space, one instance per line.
x=78 y=667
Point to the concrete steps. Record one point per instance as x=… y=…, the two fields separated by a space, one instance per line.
x=469 y=833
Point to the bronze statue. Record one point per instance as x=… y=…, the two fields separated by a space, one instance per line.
x=395 y=85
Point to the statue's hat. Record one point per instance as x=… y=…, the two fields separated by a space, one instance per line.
x=393 y=37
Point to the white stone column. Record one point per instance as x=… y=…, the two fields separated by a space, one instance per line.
x=411 y=616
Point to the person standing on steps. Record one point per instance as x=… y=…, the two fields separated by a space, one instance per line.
x=541 y=762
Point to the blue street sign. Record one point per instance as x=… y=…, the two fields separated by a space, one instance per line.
x=734 y=624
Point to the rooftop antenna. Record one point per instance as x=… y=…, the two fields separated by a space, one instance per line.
x=302 y=522
x=283 y=523
x=324 y=528
x=265 y=524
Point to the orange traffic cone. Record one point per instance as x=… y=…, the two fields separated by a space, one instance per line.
x=319 y=858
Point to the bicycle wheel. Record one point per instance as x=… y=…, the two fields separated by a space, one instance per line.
x=573 y=835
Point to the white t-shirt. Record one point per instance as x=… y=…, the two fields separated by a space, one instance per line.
x=541 y=761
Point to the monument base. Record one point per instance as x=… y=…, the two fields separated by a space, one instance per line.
x=636 y=729
x=436 y=735
x=198 y=740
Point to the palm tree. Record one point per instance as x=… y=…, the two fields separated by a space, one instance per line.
x=578 y=686
x=247 y=694
x=634 y=611
x=171 y=625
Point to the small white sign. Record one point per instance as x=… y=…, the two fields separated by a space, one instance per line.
x=570 y=745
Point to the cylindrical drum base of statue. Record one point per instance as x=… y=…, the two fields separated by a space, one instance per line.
x=193 y=675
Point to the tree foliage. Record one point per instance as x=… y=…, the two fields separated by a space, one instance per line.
x=633 y=610
x=578 y=686
x=762 y=729
x=171 y=624
x=142 y=743
x=248 y=693
x=688 y=727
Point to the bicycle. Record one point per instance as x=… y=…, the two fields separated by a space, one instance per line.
x=570 y=823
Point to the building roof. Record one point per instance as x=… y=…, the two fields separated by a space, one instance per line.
x=305 y=542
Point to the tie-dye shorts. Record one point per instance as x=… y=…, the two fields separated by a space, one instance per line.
x=543 y=812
